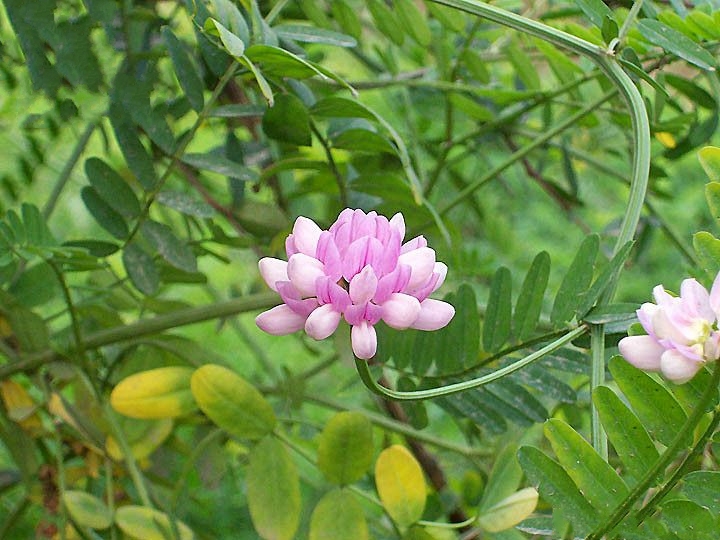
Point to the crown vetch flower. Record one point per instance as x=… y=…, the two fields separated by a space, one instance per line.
x=682 y=331
x=360 y=270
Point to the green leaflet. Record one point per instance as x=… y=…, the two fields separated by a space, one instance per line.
x=529 y=302
x=576 y=281
x=504 y=478
x=338 y=515
x=141 y=269
x=112 y=188
x=628 y=436
x=288 y=121
x=656 y=407
x=556 y=487
x=345 y=449
x=702 y=487
x=185 y=71
x=689 y=521
x=677 y=43
x=104 y=214
x=496 y=328
x=594 y=477
x=170 y=247
x=273 y=490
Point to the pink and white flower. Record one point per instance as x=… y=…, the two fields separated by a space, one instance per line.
x=360 y=270
x=682 y=332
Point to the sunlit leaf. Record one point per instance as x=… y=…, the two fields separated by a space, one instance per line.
x=312 y=34
x=677 y=43
x=87 y=510
x=689 y=521
x=510 y=511
x=710 y=160
x=149 y=524
x=400 y=484
x=156 y=393
x=231 y=402
x=702 y=487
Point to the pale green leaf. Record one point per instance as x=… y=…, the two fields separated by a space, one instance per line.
x=676 y=43
x=338 y=515
x=87 y=510
x=345 y=448
x=144 y=523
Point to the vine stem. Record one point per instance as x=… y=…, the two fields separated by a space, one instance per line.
x=662 y=462
x=641 y=156
x=364 y=371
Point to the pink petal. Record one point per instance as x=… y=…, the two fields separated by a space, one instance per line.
x=662 y=297
x=696 y=300
x=395 y=281
x=643 y=352
x=306 y=234
x=397 y=222
x=415 y=243
x=280 y=320
x=364 y=340
x=401 y=311
x=434 y=314
x=645 y=315
x=715 y=296
x=363 y=286
x=422 y=262
x=441 y=270
x=667 y=329
x=303 y=272
x=329 y=255
x=272 y=271
x=322 y=322
x=677 y=367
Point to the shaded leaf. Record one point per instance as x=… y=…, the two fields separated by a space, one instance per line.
x=288 y=121
x=87 y=510
x=504 y=478
x=185 y=71
x=136 y=156
x=312 y=34
x=338 y=515
x=273 y=491
x=688 y=521
x=185 y=204
x=170 y=247
x=595 y=10
x=576 y=281
x=608 y=274
x=112 y=188
x=703 y=487
x=496 y=327
x=107 y=218
x=141 y=269
x=345 y=449
x=530 y=299
x=413 y=21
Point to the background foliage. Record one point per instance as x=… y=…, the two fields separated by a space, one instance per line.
x=154 y=150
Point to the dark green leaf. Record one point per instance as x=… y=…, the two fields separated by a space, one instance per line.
x=676 y=43
x=170 y=247
x=610 y=29
x=656 y=407
x=263 y=84
x=141 y=269
x=692 y=91
x=136 y=156
x=236 y=110
x=496 y=328
x=530 y=299
x=413 y=21
x=451 y=18
x=522 y=63
x=576 y=281
x=26 y=326
x=338 y=107
x=74 y=56
x=504 y=478
x=25 y=288
x=689 y=521
x=219 y=164
x=556 y=487
x=96 y=248
x=36 y=229
x=347 y=17
x=608 y=274
x=107 y=218
x=702 y=487
x=186 y=73
x=363 y=140
x=467 y=405
x=185 y=204
x=288 y=121
x=112 y=188
x=386 y=21
x=312 y=34
x=543 y=381
x=462 y=335
x=626 y=433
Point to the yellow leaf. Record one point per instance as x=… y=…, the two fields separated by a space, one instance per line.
x=19 y=405
x=145 y=439
x=666 y=139
x=156 y=393
x=148 y=524
x=510 y=511
x=400 y=484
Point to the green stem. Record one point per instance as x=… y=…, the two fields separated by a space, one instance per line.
x=339 y=180
x=365 y=375
x=145 y=327
x=68 y=168
x=629 y=20
x=401 y=428
x=662 y=462
x=597 y=378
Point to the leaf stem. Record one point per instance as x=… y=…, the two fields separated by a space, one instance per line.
x=365 y=375
x=662 y=462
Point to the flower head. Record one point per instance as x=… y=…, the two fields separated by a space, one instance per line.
x=681 y=331
x=360 y=270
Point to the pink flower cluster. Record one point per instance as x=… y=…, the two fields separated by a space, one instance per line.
x=359 y=269
x=681 y=331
